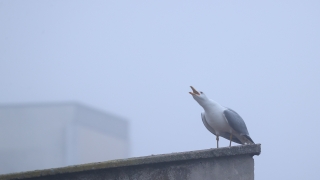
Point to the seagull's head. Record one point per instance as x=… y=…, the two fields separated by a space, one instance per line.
x=199 y=96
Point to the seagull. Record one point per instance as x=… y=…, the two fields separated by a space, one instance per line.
x=222 y=121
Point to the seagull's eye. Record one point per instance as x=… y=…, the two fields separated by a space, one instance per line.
x=201 y=92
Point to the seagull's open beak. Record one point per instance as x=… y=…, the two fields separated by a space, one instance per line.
x=195 y=92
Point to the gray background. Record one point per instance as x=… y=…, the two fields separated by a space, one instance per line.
x=138 y=59
x=52 y=135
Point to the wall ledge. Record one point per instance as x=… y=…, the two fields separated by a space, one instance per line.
x=144 y=160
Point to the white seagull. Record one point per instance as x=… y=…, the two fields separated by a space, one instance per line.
x=222 y=121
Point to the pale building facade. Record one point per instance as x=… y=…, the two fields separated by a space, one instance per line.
x=41 y=136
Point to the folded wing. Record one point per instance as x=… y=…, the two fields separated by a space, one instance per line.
x=237 y=123
x=225 y=135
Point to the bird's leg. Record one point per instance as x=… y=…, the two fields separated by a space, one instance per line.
x=217 y=141
x=230 y=139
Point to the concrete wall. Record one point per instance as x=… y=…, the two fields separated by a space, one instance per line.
x=235 y=163
x=40 y=136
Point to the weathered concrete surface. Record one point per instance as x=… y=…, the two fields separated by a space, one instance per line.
x=235 y=163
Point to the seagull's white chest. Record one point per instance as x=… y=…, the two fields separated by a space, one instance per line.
x=215 y=118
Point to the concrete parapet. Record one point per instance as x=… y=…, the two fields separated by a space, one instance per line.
x=234 y=163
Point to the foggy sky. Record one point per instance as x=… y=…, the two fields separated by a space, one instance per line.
x=137 y=59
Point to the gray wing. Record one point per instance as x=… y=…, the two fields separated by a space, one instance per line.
x=225 y=135
x=206 y=124
x=237 y=123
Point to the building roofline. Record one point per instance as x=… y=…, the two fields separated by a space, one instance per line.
x=63 y=103
x=145 y=160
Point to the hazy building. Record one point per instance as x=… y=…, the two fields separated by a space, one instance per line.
x=39 y=136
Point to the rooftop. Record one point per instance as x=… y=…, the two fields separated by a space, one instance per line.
x=172 y=158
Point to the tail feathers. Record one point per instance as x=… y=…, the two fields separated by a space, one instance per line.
x=249 y=139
